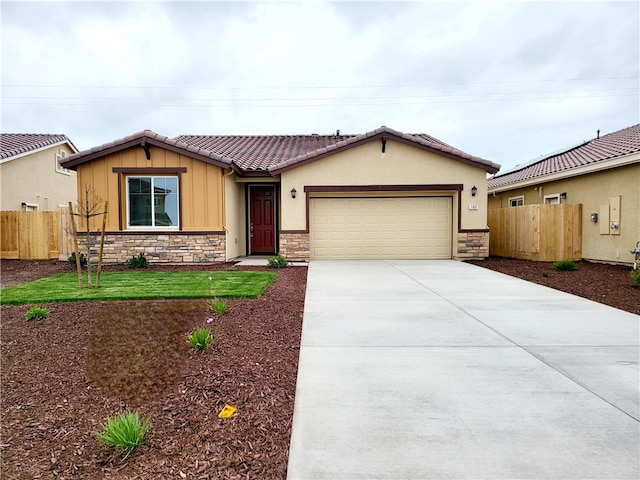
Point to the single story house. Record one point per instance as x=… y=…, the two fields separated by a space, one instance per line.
x=602 y=174
x=31 y=175
x=206 y=198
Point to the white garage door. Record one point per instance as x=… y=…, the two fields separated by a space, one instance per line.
x=393 y=227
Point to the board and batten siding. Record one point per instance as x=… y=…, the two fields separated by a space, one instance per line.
x=201 y=186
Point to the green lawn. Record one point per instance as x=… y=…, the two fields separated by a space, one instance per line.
x=140 y=285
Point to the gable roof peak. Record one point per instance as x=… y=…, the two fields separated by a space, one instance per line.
x=420 y=140
x=140 y=139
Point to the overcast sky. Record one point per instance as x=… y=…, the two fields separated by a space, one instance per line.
x=504 y=80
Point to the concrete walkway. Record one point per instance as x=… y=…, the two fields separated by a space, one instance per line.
x=445 y=370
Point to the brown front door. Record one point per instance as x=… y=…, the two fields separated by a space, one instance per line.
x=262 y=228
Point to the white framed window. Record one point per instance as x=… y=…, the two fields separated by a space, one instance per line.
x=30 y=207
x=60 y=156
x=153 y=202
x=553 y=199
x=516 y=201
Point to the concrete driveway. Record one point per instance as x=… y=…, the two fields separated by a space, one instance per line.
x=441 y=369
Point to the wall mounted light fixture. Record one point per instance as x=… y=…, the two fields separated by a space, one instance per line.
x=474 y=191
x=563 y=195
x=293 y=193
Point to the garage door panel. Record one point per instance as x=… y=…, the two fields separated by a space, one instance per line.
x=417 y=227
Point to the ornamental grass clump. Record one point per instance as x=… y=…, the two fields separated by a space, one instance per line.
x=567 y=265
x=200 y=339
x=126 y=432
x=635 y=276
x=36 y=313
x=219 y=306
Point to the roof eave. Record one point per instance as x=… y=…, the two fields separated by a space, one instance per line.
x=608 y=164
x=252 y=173
x=40 y=149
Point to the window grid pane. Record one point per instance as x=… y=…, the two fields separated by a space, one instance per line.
x=159 y=209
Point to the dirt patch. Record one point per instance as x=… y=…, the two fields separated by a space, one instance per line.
x=62 y=376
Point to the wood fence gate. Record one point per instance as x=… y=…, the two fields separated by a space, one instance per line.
x=35 y=235
x=546 y=233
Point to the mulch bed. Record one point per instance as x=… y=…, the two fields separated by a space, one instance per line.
x=64 y=375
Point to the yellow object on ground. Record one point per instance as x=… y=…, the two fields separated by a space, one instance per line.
x=227 y=411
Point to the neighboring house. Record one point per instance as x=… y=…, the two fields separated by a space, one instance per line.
x=602 y=174
x=382 y=194
x=30 y=172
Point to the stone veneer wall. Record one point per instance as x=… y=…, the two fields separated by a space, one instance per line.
x=295 y=246
x=165 y=248
x=473 y=245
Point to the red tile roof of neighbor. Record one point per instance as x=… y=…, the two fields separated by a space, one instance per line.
x=12 y=144
x=271 y=154
x=607 y=147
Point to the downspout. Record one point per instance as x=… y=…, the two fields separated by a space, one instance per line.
x=499 y=198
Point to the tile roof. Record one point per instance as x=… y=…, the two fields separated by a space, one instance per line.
x=259 y=152
x=607 y=147
x=270 y=154
x=13 y=144
x=142 y=138
x=276 y=153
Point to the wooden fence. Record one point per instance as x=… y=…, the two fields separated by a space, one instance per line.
x=35 y=235
x=545 y=233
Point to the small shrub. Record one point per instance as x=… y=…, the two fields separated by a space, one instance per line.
x=200 y=339
x=635 y=276
x=36 y=313
x=125 y=431
x=72 y=259
x=566 y=265
x=278 y=261
x=219 y=306
x=545 y=274
x=137 y=261
x=230 y=268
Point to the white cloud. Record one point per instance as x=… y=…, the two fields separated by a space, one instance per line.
x=503 y=80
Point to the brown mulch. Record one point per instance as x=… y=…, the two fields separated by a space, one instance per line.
x=602 y=283
x=63 y=376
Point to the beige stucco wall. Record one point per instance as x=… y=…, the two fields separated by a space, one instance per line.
x=401 y=164
x=33 y=179
x=592 y=191
x=235 y=226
